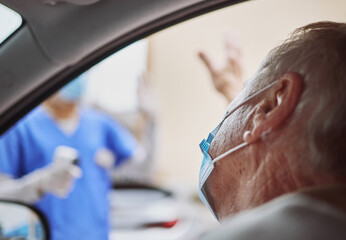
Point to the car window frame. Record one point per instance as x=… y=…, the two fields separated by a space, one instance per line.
x=32 y=99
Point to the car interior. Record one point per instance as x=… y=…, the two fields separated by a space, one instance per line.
x=64 y=37
x=119 y=44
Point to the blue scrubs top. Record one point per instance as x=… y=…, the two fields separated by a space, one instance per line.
x=30 y=145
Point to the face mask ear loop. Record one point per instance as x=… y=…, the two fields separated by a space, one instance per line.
x=249 y=98
x=244 y=143
x=230 y=151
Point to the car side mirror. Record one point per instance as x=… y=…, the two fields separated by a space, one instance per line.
x=19 y=221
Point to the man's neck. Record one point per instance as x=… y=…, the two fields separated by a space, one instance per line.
x=63 y=112
x=279 y=177
x=334 y=195
x=272 y=177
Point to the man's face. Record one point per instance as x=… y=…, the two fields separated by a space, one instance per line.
x=229 y=174
x=57 y=104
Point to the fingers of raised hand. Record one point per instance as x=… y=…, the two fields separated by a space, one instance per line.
x=209 y=63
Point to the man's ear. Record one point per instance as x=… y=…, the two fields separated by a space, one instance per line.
x=276 y=107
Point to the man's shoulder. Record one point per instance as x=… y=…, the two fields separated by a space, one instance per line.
x=32 y=116
x=27 y=121
x=95 y=115
x=294 y=216
x=101 y=119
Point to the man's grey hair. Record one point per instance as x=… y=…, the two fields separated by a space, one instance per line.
x=318 y=53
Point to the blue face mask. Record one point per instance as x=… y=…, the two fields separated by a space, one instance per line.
x=208 y=163
x=73 y=91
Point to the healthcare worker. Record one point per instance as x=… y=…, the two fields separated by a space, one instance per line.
x=101 y=143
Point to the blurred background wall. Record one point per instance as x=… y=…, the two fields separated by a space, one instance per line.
x=189 y=106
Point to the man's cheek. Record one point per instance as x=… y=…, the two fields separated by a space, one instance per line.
x=214 y=188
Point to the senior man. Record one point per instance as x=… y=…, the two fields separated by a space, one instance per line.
x=275 y=167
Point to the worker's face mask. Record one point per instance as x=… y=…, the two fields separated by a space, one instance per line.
x=73 y=91
x=208 y=163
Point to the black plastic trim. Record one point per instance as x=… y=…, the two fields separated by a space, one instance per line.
x=141 y=186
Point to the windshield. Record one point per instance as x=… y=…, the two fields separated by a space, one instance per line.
x=10 y=21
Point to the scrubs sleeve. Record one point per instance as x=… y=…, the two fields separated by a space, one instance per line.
x=120 y=141
x=10 y=153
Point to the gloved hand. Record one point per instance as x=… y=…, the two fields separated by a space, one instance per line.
x=228 y=77
x=105 y=158
x=58 y=177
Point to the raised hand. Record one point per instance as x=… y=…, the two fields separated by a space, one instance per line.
x=228 y=77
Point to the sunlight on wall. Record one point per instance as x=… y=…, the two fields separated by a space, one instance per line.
x=113 y=82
